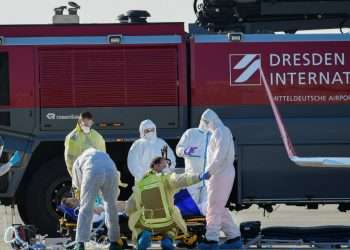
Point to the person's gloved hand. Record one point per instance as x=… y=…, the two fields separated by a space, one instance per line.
x=190 y=150
x=98 y=201
x=15 y=159
x=204 y=176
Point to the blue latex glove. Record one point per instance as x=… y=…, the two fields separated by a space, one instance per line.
x=15 y=159
x=144 y=240
x=98 y=201
x=190 y=150
x=204 y=176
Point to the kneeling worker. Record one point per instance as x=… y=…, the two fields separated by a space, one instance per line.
x=93 y=172
x=151 y=207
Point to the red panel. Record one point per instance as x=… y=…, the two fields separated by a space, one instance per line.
x=151 y=75
x=99 y=77
x=56 y=96
x=121 y=76
x=55 y=67
x=22 y=72
x=55 y=78
x=218 y=77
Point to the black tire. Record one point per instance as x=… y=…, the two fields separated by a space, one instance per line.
x=44 y=192
x=22 y=208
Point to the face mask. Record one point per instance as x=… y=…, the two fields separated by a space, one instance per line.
x=85 y=129
x=166 y=170
x=150 y=135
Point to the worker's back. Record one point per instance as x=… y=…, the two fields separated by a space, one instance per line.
x=94 y=159
x=92 y=162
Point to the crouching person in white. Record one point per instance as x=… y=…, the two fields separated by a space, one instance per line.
x=94 y=172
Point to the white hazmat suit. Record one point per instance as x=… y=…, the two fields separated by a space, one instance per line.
x=196 y=139
x=93 y=172
x=145 y=149
x=220 y=160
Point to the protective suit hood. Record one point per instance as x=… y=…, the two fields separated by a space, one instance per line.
x=203 y=127
x=148 y=124
x=213 y=119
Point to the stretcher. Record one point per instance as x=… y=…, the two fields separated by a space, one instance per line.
x=194 y=220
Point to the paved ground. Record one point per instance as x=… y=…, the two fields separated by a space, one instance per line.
x=292 y=216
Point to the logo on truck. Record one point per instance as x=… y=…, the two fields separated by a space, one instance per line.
x=245 y=69
x=329 y=68
x=53 y=116
x=310 y=74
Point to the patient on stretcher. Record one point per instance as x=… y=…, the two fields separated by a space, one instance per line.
x=70 y=207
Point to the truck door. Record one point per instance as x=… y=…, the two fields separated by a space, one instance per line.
x=17 y=102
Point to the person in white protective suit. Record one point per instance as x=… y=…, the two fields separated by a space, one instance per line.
x=93 y=172
x=145 y=149
x=220 y=158
x=193 y=148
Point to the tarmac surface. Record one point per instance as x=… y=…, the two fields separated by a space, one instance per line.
x=282 y=216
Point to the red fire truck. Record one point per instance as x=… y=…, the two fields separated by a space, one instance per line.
x=125 y=73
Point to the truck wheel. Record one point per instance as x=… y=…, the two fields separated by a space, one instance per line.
x=22 y=209
x=45 y=190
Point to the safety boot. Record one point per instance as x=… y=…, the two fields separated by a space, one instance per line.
x=206 y=244
x=167 y=243
x=144 y=240
x=235 y=243
x=115 y=246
